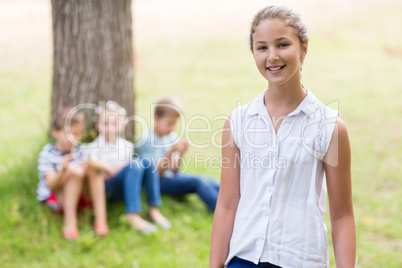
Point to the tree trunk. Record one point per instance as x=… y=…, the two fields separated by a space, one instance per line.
x=93 y=54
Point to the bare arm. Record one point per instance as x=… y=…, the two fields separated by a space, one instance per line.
x=171 y=160
x=99 y=166
x=163 y=164
x=339 y=183
x=229 y=196
x=175 y=161
x=56 y=180
x=177 y=155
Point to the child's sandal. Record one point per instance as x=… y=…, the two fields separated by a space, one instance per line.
x=101 y=230
x=70 y=234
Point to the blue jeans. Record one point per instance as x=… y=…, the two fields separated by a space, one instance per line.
x=241 y=263
x=181 y=184
x=126 y=185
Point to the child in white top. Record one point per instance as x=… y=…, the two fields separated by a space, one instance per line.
x=110 y=158
x=270 y=210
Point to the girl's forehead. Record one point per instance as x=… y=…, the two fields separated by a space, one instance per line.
x=110 y=116
x=272 y=27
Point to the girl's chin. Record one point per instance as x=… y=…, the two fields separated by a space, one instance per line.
x=111 y=136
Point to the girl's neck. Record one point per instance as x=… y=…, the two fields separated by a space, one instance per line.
x=110 y=140
x=289 y=95
x=281 y=101
x=63 y=147
x=157 y=133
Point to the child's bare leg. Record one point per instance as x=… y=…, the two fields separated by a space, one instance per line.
x=71 y=193
x=96 y=183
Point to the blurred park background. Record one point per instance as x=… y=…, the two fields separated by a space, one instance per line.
x=198 y=51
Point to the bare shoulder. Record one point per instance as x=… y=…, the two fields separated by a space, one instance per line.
x=227 y=137
x=340 y=130
x=339 y=148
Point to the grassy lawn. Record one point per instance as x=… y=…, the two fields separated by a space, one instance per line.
x=354 y=63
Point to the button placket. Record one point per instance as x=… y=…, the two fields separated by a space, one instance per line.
x=268 y=208
x=275 y=157
x=269 y=191
x=260 y=236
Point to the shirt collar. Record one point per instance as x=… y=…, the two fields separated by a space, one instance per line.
x=308 y=105
x=54 y=149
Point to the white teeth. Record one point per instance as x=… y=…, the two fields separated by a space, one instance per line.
x=275 y=68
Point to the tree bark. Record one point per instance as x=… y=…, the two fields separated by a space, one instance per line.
x=93 y=54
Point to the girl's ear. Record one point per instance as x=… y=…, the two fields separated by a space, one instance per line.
x=304 y=48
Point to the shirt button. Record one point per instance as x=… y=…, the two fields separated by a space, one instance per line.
x=260 y=236
x=266 y=212
x=287 y=120
x=269 y=191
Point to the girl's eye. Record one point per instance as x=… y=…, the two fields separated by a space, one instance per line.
x=262 y=48
x=282 y=45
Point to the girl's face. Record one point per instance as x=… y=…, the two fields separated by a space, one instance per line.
x=278 y=52
x=111 y=125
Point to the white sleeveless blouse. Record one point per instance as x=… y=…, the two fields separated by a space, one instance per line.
x=280 y=216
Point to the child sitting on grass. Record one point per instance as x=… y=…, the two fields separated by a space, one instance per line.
x=162 y=146
x=124 y=177
x=63 y=185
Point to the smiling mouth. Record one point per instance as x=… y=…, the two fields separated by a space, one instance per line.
x=276 y=68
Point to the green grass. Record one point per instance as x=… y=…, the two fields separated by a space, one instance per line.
x=357 y=66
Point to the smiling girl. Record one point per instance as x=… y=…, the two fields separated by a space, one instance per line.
x=273 y=216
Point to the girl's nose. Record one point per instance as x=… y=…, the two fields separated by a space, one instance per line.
x=272 y=56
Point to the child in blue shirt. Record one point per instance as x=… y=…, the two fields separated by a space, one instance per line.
x=162 y=145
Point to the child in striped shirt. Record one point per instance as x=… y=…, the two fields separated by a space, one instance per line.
x=63 y=184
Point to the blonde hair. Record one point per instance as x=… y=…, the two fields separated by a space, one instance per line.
x=282 y=13
x=168 y=105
